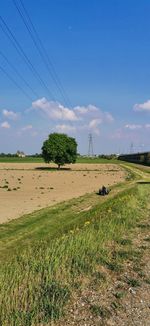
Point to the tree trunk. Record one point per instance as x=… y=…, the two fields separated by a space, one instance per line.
x=58 y=166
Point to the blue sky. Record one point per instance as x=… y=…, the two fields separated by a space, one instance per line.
x=100 y=50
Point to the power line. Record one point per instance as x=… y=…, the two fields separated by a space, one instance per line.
x=15 y=83
x=21 y=52
x=18 y=74
x=56 y=77
x=41 y=49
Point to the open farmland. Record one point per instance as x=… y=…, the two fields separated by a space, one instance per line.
x=30 y=186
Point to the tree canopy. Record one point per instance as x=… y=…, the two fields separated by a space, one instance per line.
x=60 y=149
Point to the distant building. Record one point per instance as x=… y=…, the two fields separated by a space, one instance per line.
x=21 y=154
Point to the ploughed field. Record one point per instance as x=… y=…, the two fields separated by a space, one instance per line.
x=27 y=187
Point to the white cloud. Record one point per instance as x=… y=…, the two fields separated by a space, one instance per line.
x=10 y=114
x=5 y=125
x=82 y=110
x=94 y=112
x=28 y=127
x=86 y=117
x=142 y=107
x=54 y=110
x=133 y=126
x=65 y=128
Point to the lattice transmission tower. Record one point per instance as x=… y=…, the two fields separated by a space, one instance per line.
x=90 y=147
x=131 y=148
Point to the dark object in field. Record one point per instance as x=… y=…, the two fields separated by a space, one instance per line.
x=103 y=191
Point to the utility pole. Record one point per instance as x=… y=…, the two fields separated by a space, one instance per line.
x=90 y=147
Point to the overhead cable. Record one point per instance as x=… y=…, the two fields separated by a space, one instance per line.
x=22 y=53
x=41 y=49
x=15 y=83
x=18 y=74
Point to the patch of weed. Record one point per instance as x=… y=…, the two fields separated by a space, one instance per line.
x=119 y=294
x=115 y=305
x=99 y=276
x=114 y=266
x=124 y=242
x=101 y=311
x=147 y=280
x=141 y=274
x=143 y=247
x=133 y=282
x=147 y=239
x=53 y=297
x=143 y=226
x=129 y=254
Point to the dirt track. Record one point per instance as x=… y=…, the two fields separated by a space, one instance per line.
x=25 y=187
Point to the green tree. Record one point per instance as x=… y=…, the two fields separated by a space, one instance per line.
x=60 y=149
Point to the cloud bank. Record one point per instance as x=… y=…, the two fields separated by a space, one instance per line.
x=142 y=107
x=87 y=117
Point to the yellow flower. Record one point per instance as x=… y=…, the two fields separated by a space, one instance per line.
x=87 y=222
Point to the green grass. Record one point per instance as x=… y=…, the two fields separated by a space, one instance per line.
x=96 y=160
x=27 y=159
x=37 y=283
x=21 y=160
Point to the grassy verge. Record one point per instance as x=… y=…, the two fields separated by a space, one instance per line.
x=37 y=284
x=50 y=222
x=138 y=167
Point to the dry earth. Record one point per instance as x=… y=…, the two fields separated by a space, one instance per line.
x=26 y=187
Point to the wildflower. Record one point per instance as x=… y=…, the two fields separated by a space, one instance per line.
x=87 y=222
x=71 y=231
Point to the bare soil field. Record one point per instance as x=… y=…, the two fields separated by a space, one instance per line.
x=27 y=187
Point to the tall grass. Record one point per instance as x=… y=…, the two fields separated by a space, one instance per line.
x=36 y=285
